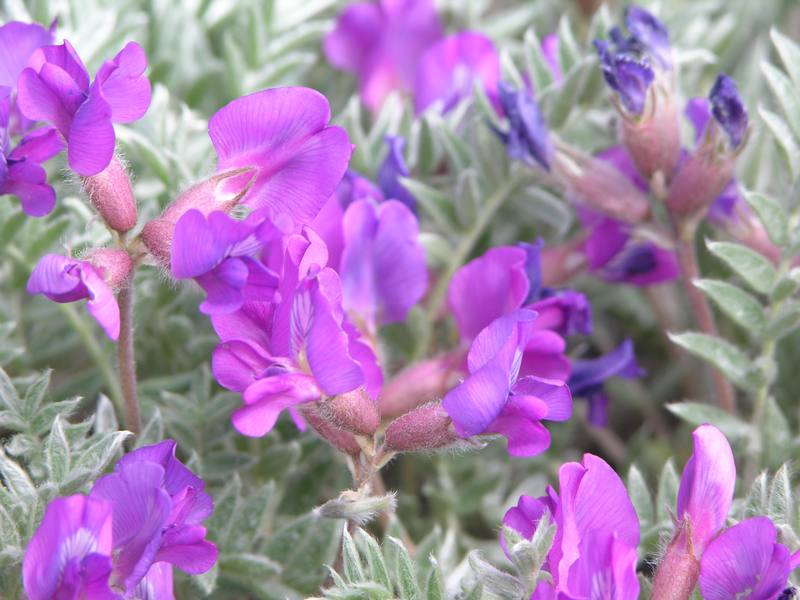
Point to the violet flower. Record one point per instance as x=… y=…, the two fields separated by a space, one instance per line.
x=55 y=88
x=382 y=268
x=222 y=255
x=63 y=280
x=729 y=109
x=491 y=400
x=294 y=351
x=156 y=585
x=588 y=377
x=650 y=33
x=597 y=532
x=450 y=68
x=745 y=562
x=69 y=555
x=527 y=138
x=382 y=44
x=282 y=136
x=158 y=506
x=628 y=75
x=391 y=170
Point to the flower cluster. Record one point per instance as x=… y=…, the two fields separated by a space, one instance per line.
x=124 y=538
x=594 y=552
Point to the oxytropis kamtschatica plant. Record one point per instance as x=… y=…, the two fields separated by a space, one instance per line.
x=304 y=261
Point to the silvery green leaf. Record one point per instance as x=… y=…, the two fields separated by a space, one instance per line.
x=558 y=102
x=667 y=494
x=8 y=393
x=510 y=72
x=57 y=452
x=536 y=65
x=785 y=322
x=206 y=582
x=434 y=588
x=376 y=564
x=776 y=434
x=246 y=567
x=43 y=419
x=785 y=138
x=737 y=304
x=751 y=266
x=9 y=533
x=16 y=480
x=781 y=501
x=351 y=561
x=569 y=54
x=757 y=501
x=771 y=215
x=729 y=359
x=36 y=392
x=435 y=204
x=640 y=497
x=541 y=542
x=105 y=415
x=97 y=456
x=785 y=93
x=789 y=53
x=405 y=573
x=494 y=580
x=695 y=413
x=153 y=430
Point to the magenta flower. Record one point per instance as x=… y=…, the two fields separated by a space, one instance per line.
x=157 y=507
x=492 y=400
x=223 y=255
x=450 y=68
x=296 y=350
x=63 y=279
x=745 y=562
x=156 y=585
x=391 y=170
x=382 y=44
x=528 y=137
x=597 y=533
x=382 y=266
x=282 y=136
x=69 y=555
x=55 y=88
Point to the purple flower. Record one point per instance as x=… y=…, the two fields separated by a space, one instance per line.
x=69 y=555
x=157 y=507
x=450 y=68
x=222 y=255
x=382 y=266
x=156 y=585
x=628 y=75
x=527 y=138
x=355 y=186
x=588 y=377
x=597 y=533
x=706 y=490
x=391 y=170
x=296 y=350
x=491 y=400
x=55 y=88
x=382 y=43
x=728 y=109
x=650 y=33
x=745 y=562
x=550 y=45
x=63 y=279
x=282 y=137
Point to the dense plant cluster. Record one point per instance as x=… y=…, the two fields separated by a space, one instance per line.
x=399 y=299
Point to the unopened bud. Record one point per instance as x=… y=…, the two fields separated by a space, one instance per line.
x=352 y=411
x=700 y=178
x=418 y=384
x=111 y=194
x=113 y=264
x=356 y=506
x=654 y=142
x=157 y=236
x=601 y=186
x=338 y=438
x=678 y=571
x=425 y=428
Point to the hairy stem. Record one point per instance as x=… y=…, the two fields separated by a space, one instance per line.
x=126 y=360
x=684 y=234
x=460 y=255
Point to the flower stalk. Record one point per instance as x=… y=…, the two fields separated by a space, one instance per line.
x=126 y=360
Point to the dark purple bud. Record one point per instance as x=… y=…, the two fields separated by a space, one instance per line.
x=393 y=167
x=527 y=138
x=650 y=33
x=628 y=75
x=728 y=109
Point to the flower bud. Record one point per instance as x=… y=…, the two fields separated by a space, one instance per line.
x=425 y=428
x=157 y=236
x=111 y=194
x=700 y=178
x=338 y=438
x=678 y=571
x=654 y=141
x=601 y=186
x=352 y=411
x=113 y=264
x=417 y=384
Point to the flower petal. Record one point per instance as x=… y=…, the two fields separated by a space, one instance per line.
x=90 y=141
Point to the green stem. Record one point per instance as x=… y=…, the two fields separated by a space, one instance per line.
x=460 y=255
